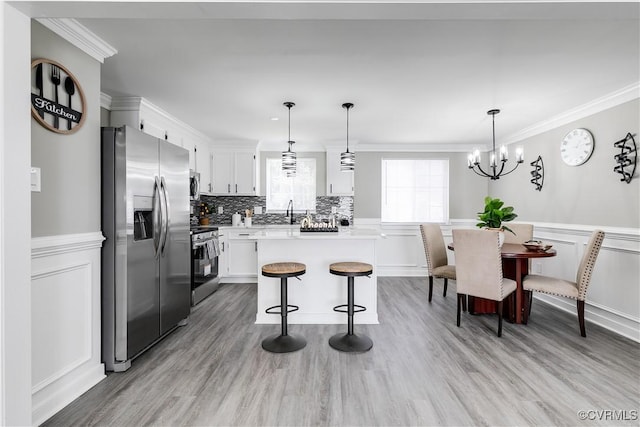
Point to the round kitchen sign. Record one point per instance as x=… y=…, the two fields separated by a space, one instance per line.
x=57 y=100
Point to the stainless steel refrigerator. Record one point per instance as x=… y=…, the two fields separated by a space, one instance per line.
x=146 y=289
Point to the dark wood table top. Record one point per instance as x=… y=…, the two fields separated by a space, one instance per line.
x=516 y=250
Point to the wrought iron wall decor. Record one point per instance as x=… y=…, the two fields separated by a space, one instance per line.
x=537 y=173
x=627 y=159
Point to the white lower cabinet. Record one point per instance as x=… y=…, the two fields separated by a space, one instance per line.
x=243 y=258
x=238 y=260
x=223 y=265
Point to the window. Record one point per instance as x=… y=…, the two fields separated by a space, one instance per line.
x=415 y=190
x=301 y=188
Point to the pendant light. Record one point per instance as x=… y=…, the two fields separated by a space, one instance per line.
x=347 y=158
x=473 y=161
x=289 y=157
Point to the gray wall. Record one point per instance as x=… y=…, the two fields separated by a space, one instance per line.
x=69 y=202
x=590 y=194
x=105 y=117
x=466 y=189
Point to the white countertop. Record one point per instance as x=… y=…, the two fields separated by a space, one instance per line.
x=295 y=233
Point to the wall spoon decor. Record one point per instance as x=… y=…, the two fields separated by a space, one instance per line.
x=537 y=173
x=627 y=159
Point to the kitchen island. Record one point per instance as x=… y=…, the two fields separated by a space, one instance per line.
x=318 y=291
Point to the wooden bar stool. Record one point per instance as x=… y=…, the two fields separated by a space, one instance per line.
x=283 y=343
x=350 y=342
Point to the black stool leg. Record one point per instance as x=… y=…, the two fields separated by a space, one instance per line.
x=350 y=342
x=283 y=343
x=283 y=305
x=350 y=305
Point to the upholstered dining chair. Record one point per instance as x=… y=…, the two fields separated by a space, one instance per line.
x=436 y=254
x=523 y=232
x=479 y=269
x=575 y=290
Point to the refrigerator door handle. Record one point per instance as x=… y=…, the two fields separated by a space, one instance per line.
x=163 y=215
x=157 y=217
x=163 y=187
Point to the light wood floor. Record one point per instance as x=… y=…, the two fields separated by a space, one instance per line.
x=422 y=370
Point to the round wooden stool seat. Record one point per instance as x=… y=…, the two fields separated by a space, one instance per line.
x=283 y=269
x=350 y=342
x=351 y=269
x=283 y=343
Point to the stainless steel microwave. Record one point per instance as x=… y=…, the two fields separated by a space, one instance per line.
x=194 y=185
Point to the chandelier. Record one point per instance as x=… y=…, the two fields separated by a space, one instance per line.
x=473 y=160
x=289 y=157
x=347 y=158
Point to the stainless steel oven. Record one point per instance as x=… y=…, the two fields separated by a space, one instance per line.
x=204 y=263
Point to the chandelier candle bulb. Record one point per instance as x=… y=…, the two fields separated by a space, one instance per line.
x=504 y=154
x=519 y=155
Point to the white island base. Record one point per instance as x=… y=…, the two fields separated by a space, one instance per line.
x=317 y=291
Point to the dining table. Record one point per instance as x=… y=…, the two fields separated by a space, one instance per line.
x=515 y=266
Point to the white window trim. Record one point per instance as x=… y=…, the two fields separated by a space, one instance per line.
x=446 y=220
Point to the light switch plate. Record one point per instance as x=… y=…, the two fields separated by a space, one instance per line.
x=220 y=210
x=334 y=209
x=35 y=180
x=257 y=210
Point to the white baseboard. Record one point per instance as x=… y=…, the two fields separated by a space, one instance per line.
x=47 y=402
x=608 y=319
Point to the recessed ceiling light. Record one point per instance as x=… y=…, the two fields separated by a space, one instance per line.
x=275 y=119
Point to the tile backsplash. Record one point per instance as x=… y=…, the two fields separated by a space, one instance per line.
x=233 y=204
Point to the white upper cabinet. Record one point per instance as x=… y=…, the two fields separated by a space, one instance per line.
x=339 y=183
x=234 y=173
x=203 y=165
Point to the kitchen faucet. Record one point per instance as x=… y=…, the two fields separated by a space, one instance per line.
x=290 y=212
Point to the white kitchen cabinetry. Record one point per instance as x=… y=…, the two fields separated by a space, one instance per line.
x=242 y=258
x=234 y=173
x=203 y=165
x=222 y=257
x=238 y=260
x=339 y=183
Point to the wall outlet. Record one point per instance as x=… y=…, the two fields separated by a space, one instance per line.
x=334 y=209
x=220 y=210
x=257 y=210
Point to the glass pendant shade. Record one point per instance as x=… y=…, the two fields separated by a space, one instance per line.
x=289 y=162
x=347 y=161
x=347 y=158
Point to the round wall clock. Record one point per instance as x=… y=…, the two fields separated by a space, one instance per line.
x=576 y=147
x=57 y=99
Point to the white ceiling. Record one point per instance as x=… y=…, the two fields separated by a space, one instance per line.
x=418 y=72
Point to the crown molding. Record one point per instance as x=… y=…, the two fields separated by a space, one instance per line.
x=80 y=36
x=613 y=99
x=137 y=103
x=105 y=101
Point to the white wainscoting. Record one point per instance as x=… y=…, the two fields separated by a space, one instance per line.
x=613 y=298
x=65 y=320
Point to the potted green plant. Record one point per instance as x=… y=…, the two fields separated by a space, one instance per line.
x=495 y=214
